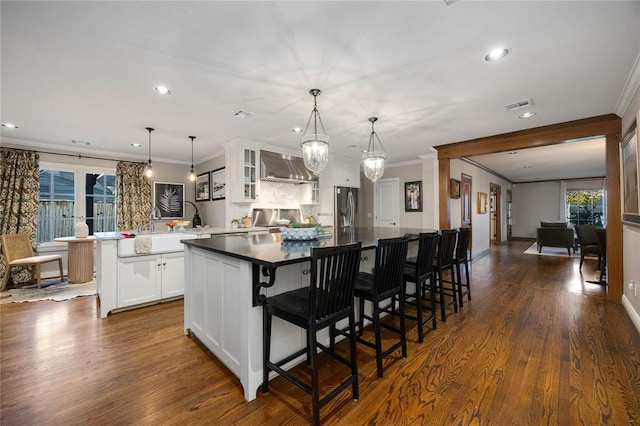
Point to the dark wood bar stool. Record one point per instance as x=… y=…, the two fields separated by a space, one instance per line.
x=385 y=283
x=328 y=299
x=443 y=262
x=460 y=259
x=420 y=272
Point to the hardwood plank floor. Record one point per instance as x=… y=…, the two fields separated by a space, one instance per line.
x=537 y=344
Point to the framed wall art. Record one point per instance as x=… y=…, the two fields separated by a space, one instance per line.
x=202 y=187
x=218 y=184
x=413 y=196
x=482 y=202
x=454 y=188
x=169 y=199
x=630 y=180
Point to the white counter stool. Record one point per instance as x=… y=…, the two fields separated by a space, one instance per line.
x=327 y=300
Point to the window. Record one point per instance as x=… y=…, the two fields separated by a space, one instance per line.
x=586 y=207
x=68 y=193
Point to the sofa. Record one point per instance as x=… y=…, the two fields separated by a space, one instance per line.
x=555 y=234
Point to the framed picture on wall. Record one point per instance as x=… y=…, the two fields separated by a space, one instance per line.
x=169 y=199
x=454 y=188
x=413 y=196
x=630 y=180
x=482 y=202
x=202 y=187
x=218 y=184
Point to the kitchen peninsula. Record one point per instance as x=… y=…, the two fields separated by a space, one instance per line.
x=226 y=280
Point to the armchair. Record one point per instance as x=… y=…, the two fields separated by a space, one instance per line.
x=555 y=234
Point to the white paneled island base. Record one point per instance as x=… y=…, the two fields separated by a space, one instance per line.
x=219 y=313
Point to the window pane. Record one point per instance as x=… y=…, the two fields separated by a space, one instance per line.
x=57 y=205
x=100 y=202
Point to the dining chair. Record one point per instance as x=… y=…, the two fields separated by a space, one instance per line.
x=329 y=298
x=383 y=284
x=419 y=271
x=588 y=240
x=17 y=251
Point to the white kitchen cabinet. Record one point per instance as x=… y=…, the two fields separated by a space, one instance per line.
x=310 y=193
x=244 y=176
x=144 y=279
x=342 y=173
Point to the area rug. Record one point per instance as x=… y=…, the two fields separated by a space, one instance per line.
x=550 y=251
x=51 y=290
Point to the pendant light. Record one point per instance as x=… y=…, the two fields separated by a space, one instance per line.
x=148 y=171
x=374 y=160
x=192 y=174
x=315 y=146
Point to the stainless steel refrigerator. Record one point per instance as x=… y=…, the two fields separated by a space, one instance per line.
x=345 y=207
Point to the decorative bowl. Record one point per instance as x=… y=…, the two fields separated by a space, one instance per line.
x=181 y=224
x=283 y=222
x=298 y=234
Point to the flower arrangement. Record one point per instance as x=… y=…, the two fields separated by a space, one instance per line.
x=171 y=224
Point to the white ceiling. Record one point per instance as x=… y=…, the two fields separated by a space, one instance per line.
x=86 y=71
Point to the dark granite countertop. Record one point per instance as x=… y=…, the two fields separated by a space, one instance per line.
x=269 y=249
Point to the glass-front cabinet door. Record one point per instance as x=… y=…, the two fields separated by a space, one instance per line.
x=249 y=174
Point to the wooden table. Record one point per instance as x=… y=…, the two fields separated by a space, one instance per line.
x=80 y=256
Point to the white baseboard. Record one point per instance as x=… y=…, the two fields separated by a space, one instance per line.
x=635 y=318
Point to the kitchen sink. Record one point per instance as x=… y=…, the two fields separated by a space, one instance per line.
x=160 y=243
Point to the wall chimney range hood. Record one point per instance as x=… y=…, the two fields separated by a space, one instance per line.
x=276 y=167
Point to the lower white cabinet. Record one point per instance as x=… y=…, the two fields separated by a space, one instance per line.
x=143 y=279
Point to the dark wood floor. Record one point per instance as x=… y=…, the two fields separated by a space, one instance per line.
x=535 y=345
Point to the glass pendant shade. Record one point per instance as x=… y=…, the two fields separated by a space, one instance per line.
x=374 y=158
x=148 y=171
x=315 y=146
x=315 y=152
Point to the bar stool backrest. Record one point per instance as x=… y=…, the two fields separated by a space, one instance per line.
x=427 y=244
x=391 y=254
x=464 y=237
x=446 y=247
x=334 y=272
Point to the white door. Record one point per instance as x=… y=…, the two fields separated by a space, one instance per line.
x=386 y=203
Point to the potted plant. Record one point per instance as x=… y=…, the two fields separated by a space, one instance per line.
x=235 y=223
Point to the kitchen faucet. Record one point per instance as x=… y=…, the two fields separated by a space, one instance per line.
x=153 y=216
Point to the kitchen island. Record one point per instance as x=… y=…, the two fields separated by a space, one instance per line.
x=227 y=279
x=127 y=279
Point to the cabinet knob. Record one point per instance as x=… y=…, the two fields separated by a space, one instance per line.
x=305 y=272
x=164 y=264
x=362 y=259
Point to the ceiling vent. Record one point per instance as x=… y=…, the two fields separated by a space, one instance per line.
x=242 y=114
x=449 y=2
x=519 y=104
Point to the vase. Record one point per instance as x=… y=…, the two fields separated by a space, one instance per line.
x=81 y=229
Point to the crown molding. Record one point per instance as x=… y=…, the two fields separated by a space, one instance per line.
x=630 y=88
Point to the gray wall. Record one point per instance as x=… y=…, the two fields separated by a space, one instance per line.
x=532 y=203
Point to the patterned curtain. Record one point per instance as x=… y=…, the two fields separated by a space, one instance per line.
x=134 y=196
x=19 y=195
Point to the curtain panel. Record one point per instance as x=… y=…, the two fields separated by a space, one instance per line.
x=134 y=196
x=19 y=196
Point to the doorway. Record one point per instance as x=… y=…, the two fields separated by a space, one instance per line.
x=386 y=203
x=466 y=207
x=508 y=202
x=495 y=225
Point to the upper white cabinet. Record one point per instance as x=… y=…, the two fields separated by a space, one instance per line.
x=309 y=193
x=342 y=173
x=244 y=172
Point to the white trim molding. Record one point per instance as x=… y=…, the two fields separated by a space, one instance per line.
x=630 y=88
x=633 y=315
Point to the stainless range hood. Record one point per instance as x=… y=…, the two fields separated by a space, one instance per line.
x=276 y=167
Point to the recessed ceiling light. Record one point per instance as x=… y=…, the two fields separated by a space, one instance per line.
x=527 y=114
x=496 y=54
x=136 y=145
x=296 y=130
x=162 y=90
x=351 y=146
x=77 y=142
x=9 y=125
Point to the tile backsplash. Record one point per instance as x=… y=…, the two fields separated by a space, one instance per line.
x=274 y=195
